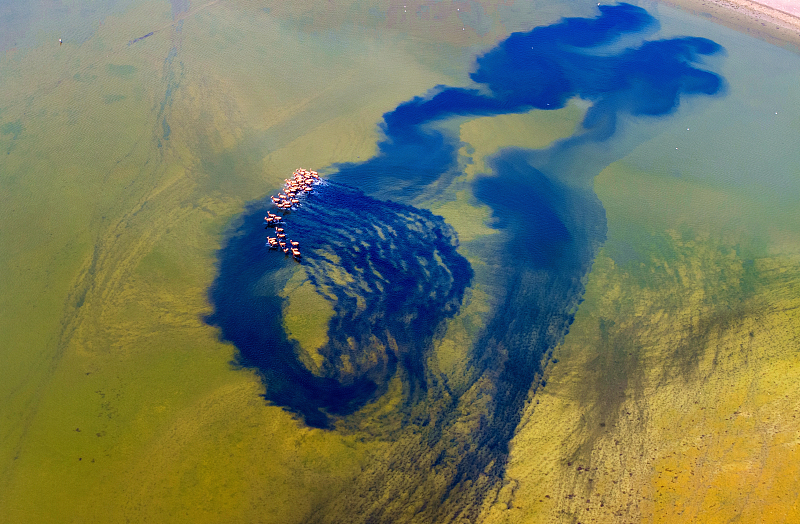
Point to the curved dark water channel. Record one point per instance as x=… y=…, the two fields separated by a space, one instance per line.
x=394 y=274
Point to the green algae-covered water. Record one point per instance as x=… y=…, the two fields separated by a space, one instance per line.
x=623 y=345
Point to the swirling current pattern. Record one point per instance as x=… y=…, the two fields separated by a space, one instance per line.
x=393 y=274
x=406 y=277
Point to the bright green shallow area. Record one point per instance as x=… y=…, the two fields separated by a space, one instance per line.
x=122 y=168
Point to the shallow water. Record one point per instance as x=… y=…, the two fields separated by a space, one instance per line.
x=137 y=157
x=552 y=224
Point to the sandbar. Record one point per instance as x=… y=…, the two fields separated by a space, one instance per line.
x=776 y=21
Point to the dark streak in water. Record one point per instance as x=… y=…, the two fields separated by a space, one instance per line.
x=151 y=33
x=179 y=7
x=453 y=446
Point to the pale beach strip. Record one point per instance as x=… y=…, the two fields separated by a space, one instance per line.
x=777 y=21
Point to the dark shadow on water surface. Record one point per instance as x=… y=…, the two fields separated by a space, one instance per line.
x=404 y=277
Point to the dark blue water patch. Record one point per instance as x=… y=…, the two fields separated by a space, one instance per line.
x=397 y=293
x=407 y=161
x=552 y=233
x=468 y=430
x=392 y=273
x=552 y=224
x=533 y=207
x=540 y=69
